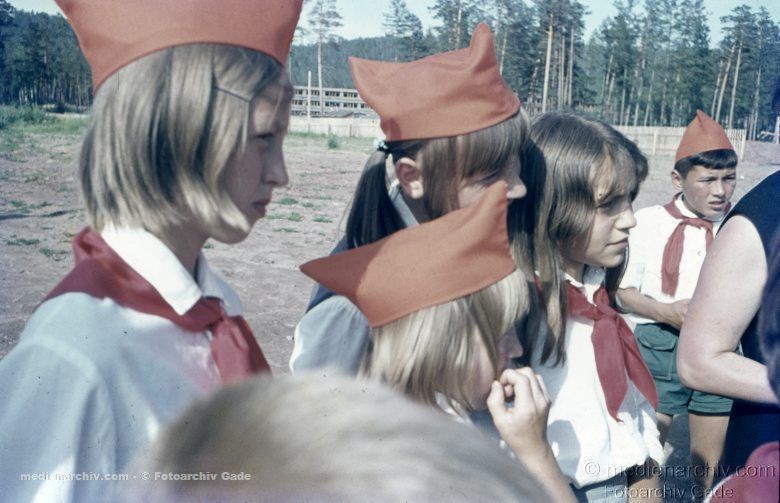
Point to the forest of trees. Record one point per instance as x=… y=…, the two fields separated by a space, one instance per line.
x=652 y=64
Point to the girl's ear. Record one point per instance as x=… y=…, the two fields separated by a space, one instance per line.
x=409 y=177
x=677 y=179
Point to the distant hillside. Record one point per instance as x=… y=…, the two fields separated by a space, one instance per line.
x=335 y=70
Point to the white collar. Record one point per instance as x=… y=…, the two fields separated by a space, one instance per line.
x=678 y=201
x=156 y=263
x=592 y=279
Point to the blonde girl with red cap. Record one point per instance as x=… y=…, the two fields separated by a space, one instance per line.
x=448 y=340
x=602 y=424
x=452 y=127
x=184 y=144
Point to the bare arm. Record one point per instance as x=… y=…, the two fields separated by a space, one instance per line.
x=727 y=297
x=670 y=313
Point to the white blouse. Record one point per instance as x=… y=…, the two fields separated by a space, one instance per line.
x=91 y=383
x=589 y=444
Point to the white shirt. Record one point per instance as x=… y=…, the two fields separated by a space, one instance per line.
x=91 y=383
x=654 y=226
x=334 y=333
x=589 y=444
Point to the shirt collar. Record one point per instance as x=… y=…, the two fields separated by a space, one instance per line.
x=157 y=264
x=678 y=201
x=592 y=279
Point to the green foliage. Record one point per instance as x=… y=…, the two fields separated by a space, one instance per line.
x=22 y=242
x=333 y=142
x=287 y=201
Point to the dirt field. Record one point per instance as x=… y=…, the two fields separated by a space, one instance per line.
x=40 y=211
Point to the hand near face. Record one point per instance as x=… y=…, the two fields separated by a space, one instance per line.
x=524 y=426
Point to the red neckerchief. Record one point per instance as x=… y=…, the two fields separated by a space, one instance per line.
x=101 y=273
x=614 y=347
x=670 y=266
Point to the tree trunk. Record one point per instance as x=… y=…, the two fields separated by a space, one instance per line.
x=623 y=96
x=457 y=26
x=754 y=114
x=569 y=98
x=717 y=87
x=547 y=67
x=723 y=83
x=503 y=51
x=730 y=122
x=605 y=84
x=561 y=66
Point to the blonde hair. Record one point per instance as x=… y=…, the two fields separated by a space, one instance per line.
x=318 y=438
x=445 y=163
x=161 y=132
x=431 y=351
x=566 y=160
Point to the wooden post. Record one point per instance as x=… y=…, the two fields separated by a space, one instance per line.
x=655 y=139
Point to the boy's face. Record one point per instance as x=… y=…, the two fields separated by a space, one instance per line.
x=706 y=191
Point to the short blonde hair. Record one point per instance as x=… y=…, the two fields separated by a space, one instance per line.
x=161 y=133
x=330 y=438
x=431 y=351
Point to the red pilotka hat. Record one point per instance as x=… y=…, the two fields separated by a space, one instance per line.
x=445 y=94
x=702 y=135
x=400 y=274
x=113 y=33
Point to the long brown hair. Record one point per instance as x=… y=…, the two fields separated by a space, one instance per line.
x=563 y=162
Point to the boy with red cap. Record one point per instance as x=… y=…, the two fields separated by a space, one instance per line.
x=666 y=251
x=184 y=145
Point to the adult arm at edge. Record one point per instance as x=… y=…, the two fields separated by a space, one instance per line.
x=727 y=297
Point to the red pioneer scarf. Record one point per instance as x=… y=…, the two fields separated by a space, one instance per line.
x=670 y=266
x=101 y=273
x=614 y=347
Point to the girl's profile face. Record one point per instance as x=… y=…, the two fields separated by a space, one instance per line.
x=483 y=373
x=251 y=174
x=471 y=189
x=605 y=242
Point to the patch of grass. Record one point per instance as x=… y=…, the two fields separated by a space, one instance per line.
x=52 y=253
x=293 y=217
x=287 y=201
x=22 y=242
x=18 y=204
x=333 y=142
x=322 y=219
x=34 y=177
x=208 y=246
x=286 y=229
x=308 y=205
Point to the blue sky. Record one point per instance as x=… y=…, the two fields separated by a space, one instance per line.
x=363 y=18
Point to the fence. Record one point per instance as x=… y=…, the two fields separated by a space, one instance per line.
x=358 y=120
x=662 y=141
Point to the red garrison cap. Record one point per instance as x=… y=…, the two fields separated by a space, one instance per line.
x=460 y=253
x=445 y=94
x=113 y=33
x=702 y=135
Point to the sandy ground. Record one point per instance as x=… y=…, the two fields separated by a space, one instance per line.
x=40 y=211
